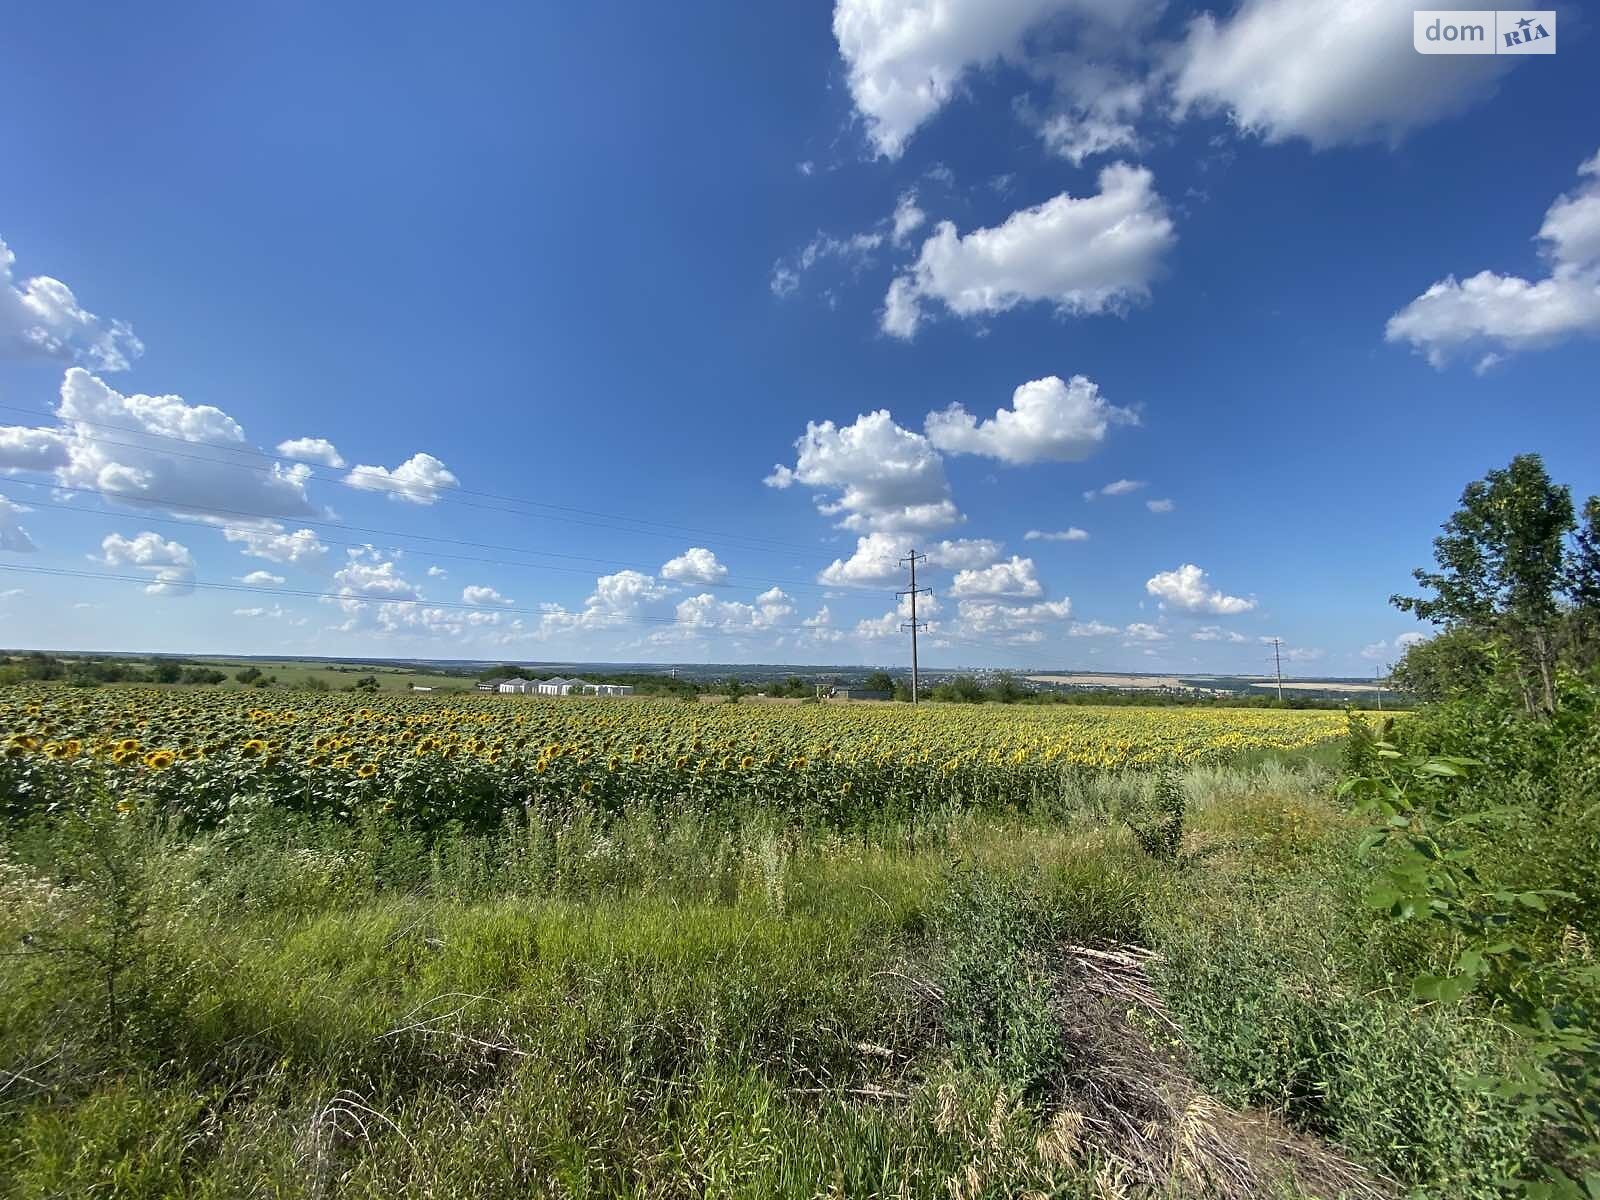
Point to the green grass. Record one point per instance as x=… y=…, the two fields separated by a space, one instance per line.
x=694 y=1007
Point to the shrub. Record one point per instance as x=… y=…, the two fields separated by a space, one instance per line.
x=1157 y=822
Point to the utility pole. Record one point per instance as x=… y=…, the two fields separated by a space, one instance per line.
x=913 y=625
x=1377 y=674
x=1277 y=660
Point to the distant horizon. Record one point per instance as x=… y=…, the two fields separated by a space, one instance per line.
x=650 y=667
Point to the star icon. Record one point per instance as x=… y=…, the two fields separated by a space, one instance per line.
x=1524 y=23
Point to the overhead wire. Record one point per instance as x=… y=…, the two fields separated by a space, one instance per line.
x=745 y=581
x=664 y=529
x=440 y=491
x=611 y=620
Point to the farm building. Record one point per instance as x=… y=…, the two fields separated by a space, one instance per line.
x=557 y=686
x=517 y=686
x=490 y=685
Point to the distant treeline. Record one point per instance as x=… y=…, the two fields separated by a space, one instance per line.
x=1008 y=689
x=89 y=672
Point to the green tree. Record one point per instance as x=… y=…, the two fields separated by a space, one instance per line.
x=1502 y=570
x=1447 y=663
x=1581 y=645
x=166 y=671
x=1005 y=689
x=880 y=681
x=963 y=689
x=248 y=676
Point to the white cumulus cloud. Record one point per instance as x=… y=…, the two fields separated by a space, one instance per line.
x=312 y=449
x=127 y=446
x=905 y=58
x=40 y=318
x=707 y=612
x=962 y=553
x=275 y=544
x=419 y=480
x=616 y=600
x=261 y=579
x=1330 y=72
x=170 y=562
x=1490 y=315
x=1050 y=420
x=983 y=618
x=1015 y=577
x=1141 y=631
x=878 y=558
x=882 y=477
x=694 y=565
x=482 y=594
x=1188 y=588
x=1081 y=254
x=1081 y=629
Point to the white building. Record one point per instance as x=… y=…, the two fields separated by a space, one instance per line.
x=516 y=686
x=581 y=687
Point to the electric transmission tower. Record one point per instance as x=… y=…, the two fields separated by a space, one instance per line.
x=1277 y=663
x=913 y=625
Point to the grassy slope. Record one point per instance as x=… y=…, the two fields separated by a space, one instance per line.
x=690 y=1010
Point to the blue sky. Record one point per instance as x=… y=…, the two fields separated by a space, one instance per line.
x=660 y=332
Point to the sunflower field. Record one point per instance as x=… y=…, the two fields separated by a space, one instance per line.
x=435 y=760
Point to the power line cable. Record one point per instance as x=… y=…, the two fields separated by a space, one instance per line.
x=611 y=620
x=745 y=581
x=662 y=528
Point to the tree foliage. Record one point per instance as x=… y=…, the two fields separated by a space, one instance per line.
x=1515 y=570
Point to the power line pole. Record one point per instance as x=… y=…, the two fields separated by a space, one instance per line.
x=1277 y=661
x=1377 y=673
x=913 y=625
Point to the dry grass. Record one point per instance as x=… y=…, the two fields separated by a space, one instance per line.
x=1130 y=1098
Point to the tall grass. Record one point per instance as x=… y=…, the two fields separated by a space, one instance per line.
x=689 y=1005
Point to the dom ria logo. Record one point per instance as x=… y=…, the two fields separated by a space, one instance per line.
x=1483 y=31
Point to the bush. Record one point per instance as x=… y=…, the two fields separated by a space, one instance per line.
x=1157 y=821
x=991 y=933
x=1484 y=825
x=1265 y=980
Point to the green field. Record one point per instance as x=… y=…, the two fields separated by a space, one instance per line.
x=1123 y=981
